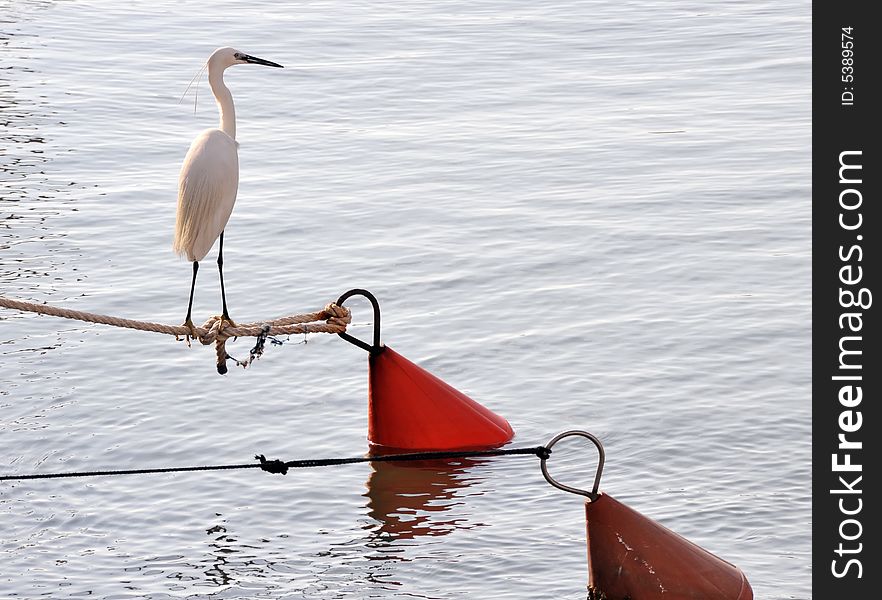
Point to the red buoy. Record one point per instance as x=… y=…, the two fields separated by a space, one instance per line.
x=410 y=408
x=631 y=556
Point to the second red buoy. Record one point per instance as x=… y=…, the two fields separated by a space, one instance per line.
x=631 y=557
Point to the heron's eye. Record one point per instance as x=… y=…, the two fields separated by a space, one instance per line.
x=237 y=55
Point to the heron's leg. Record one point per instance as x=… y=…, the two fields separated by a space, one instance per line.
x=220 y=270
x=189 y=321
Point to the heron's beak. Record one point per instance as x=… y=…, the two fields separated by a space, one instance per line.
x=260 y=61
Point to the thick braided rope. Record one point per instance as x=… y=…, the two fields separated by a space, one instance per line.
x=336 y=318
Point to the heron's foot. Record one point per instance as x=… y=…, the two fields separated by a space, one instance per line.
x=193 y=333
x=226 y=321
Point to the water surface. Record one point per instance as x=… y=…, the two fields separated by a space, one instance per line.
x=582 y=214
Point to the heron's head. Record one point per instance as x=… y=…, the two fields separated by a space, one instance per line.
x=227 y=57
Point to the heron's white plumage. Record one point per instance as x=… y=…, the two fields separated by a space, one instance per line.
x=207 y=191
x=209 y=178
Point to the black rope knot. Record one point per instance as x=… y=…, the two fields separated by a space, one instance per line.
x=272 y=466
x=543 y=452
x=257 y=351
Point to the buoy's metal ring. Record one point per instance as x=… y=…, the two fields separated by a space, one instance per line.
x=377 y=347
x=592 y=495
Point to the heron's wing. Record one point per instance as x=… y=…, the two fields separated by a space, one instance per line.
x=206 y=192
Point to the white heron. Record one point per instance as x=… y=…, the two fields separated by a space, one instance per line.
x=210 y=177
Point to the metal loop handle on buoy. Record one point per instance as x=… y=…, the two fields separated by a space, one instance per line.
x=592 y=495
x=377 y=347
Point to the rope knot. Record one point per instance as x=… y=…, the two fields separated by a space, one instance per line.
x=338 y=315
x=212 y=330
x=272 y=466
x=215 y=330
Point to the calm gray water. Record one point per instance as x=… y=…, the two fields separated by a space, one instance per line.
x=583 y=214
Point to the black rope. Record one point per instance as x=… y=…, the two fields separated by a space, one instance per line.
x=279 y=466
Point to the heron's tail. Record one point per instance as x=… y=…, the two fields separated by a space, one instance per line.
x=183 y=242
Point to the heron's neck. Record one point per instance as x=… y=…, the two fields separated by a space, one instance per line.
x=224 y=102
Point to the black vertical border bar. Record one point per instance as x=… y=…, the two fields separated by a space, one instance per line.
x=845 y=124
